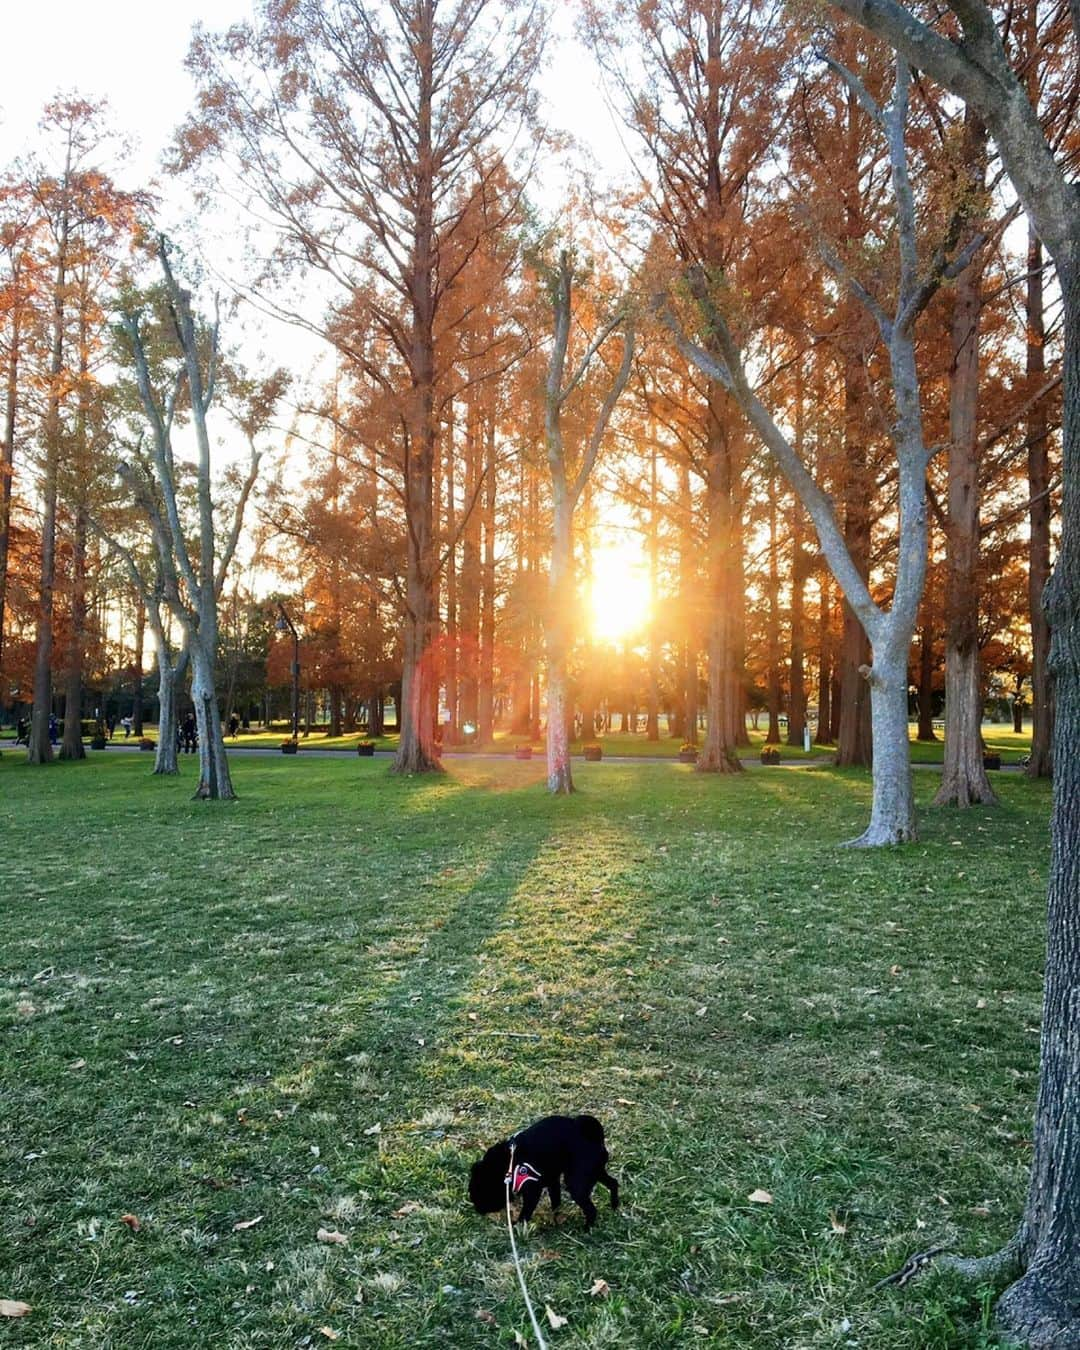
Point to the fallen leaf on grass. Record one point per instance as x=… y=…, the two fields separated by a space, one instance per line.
x=409 y=1207
x=836 y=1225
x=247 y=1223
x=554 y=1318
x=759 y=1197
x=331 y=1235
x=11 y=1307
x=132 y=1221
x=374 y=1129
x=600 y=1288
x=725 y=1299
x=78 y=1064
x=486 y=1315
x=519 y=1339
x=330 y=1333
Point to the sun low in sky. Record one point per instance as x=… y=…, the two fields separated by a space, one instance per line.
x=620 y=594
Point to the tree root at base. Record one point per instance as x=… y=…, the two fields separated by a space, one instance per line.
x=1005 y=1263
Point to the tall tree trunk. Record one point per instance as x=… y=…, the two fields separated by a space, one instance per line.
x=72 y=745
x=797 y=697
x=417 y=749
x=797 y=677
x=963 y=780
x=1043 y=1307
x=170 y=677
x=7 y=472
x=652 y=728
x=139 y=657
x=469 y=581
x=691 y=608
x=772 y=621
x=1040 y=762
x=39 y=750
x=452 y=644
x=825 y=676
x=854 y=740
x=560 y=779
x=215 y=782
x=486 y=675
x=926 y=681
x=719 y=753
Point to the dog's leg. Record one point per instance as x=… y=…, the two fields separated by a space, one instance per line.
x=613 y=1186
x=581 y=1193
x=555 y=1191
x=530 y=1198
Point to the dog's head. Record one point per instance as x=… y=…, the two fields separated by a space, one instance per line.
x=487 y=1180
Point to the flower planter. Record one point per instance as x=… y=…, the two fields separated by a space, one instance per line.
x=289 y=747
x=147 y=744
x=98 y=743
x=593 y=753
x=365 y=750
x=523 y=752
x=688 y=756
x=991 y=761
x=770 y=755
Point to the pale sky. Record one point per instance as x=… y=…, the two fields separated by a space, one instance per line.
x=131 y=53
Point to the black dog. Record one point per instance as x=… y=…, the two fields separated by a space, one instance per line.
x=557 y=1147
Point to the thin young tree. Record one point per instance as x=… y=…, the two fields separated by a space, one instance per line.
x=570 y=469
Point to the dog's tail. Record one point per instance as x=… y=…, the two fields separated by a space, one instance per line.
x=592 y=1129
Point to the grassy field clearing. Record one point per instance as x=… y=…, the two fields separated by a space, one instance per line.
x=312 y=1008
x=999 y=738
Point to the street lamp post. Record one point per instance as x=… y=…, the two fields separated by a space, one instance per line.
x=283 y=623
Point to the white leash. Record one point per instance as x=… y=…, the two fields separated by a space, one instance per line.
x=541 y=1343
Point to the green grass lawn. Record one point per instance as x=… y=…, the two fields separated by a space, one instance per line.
x=999 y=738
x=312 y=1008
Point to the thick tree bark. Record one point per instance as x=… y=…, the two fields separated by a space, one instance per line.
x=1043 y=1307
x=1040 y=763
x=215 y=782
x=963 y=779
x=418 y=751
x=170 y=677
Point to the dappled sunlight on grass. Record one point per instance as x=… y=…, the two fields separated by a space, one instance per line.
x=313 y=1008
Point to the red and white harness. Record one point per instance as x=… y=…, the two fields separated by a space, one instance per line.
x=519 y=1174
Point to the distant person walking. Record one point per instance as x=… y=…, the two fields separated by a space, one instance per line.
x=22 y=731
x=190 y=734
x=54 y=729
x=234 y=725
x=125 y=722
